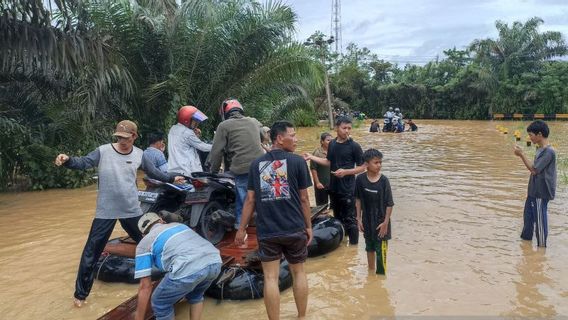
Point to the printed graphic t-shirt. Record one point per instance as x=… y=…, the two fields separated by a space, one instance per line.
x=276 y=178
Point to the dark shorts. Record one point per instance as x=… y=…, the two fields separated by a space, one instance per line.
x=293 y=246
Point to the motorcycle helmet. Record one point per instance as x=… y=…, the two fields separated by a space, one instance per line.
x=390 y=108
x=396 y=109
x=230 y=105
x=186 y=113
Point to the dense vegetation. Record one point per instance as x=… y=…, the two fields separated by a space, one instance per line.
x=514 y=73
x=70 y=69
x=69 y=73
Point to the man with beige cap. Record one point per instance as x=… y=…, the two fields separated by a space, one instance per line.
x=117 y=164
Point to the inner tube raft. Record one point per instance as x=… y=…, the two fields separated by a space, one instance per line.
x=328 y=233
x=245 y=283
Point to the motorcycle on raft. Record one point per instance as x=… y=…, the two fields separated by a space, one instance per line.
x=206 y=203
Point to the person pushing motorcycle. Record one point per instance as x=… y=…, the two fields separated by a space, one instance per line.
x=238 y=139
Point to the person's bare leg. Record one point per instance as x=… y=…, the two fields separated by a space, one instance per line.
x=371 y=258
x=300 y=288
x=271 y=272
x=78 y=303
x=195 y=311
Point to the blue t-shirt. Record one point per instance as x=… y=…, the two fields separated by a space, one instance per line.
x=277 y=178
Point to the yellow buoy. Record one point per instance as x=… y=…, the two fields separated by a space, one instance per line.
x=528 y=141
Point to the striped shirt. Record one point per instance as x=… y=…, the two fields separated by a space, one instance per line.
x=174 y=248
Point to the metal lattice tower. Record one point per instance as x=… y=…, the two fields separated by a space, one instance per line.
x=336 y=24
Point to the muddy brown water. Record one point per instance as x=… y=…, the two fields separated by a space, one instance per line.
x=459 y=194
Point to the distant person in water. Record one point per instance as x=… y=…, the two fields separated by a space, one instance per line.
x=374 y=126
x=373 y=202
x=542 y=183
x=411 y=125
x=117 y=197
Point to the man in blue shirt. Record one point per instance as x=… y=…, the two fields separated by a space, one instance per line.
x=191 y=264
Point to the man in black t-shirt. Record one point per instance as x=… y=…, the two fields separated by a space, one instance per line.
x=278 y=190
x=345 y=158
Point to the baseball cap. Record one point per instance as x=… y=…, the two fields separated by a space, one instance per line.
x=125 y=129
x=146 y=220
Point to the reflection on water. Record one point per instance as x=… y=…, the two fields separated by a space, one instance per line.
x=458 y=194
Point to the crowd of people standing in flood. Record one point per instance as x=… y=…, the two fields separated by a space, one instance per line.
x=271 y=180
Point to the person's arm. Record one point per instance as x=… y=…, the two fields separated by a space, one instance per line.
x=305 y=200
x=153 y=172
x=195 y=142
x=89 y=161
x=216 y=154
x=248 y=210
x=383 y=228
x=144 y=293
x=544 y=159
x=359 y=214
x=340 y=173
x=519 y=152
x=315 y=178
x=318 y=160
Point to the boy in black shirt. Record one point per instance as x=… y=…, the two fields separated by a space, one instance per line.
x=345 y=159
x=373 y=202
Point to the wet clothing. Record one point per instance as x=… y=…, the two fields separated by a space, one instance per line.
x=543 y=184
x=413 y=126
x=237 y=138
x=535 y=220
x=374 y=127
x=541 y=189
x=192 y=287
x=345 y=155
x=101 y=230
x=277 y=178
x=380 y=247
x=294 y=246
x=183 y=144
x=157 y=158
x=323 y=173
x=191 y=262
x=343 y=206
x=117 y=198
x=375 y=197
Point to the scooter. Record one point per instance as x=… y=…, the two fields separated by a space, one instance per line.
x=206 y=203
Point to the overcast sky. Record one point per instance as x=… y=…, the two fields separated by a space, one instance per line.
x=415 y=31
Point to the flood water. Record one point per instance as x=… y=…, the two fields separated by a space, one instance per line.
x=459 y=193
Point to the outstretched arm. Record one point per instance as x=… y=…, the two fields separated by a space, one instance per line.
x=79 y=163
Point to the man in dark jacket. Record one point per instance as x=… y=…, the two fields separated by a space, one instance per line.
x=238 y=139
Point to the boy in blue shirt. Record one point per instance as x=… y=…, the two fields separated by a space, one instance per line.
x=373 y=202
x=542 y=183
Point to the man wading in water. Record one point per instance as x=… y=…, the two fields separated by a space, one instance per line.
x=345 y=158
x=117 y=197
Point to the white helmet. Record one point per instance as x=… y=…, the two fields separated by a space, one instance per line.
x=397 y=109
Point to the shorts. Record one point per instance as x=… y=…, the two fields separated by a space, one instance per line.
x=380 y=247
x=294 y=246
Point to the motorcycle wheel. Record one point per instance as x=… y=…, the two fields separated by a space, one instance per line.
x=213 y=232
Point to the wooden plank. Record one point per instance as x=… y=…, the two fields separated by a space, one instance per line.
x=127 y=309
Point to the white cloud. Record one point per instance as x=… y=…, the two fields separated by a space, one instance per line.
x=419 y=29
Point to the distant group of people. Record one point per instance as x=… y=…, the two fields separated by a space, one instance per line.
x=393 y=122
x=271 y=181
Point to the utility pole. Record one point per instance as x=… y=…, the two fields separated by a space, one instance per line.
x=321 y=44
